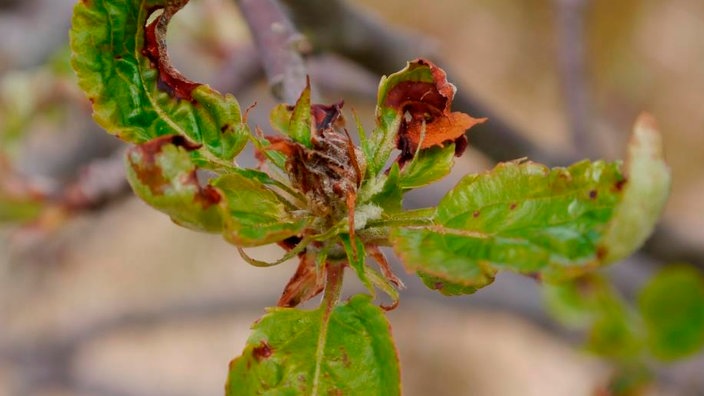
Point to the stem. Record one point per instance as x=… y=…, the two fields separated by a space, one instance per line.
x=276 y=39
x=333 y=287
x=416 y=217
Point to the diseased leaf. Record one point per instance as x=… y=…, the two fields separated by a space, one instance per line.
x=421 y=97
x=644 y=193
x=253 y=215
x=447 y=288
x=530 y=219
x=429 y=166
x=136 y=94
x=672 y=307
x=162 y=174
x=519 y=216
x=443 y=256
x=307 y=282
x=295 y=352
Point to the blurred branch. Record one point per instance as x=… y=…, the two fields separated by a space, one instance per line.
x=339 y=27
x=572 y=73
x=279 y=47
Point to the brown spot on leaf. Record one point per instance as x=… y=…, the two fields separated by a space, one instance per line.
x=427 y=105
x=290 y=242
x=438 y=285
x=170 y=79
x=593 y=194
x=150 y=173
x=476 y=214
x=619 y=185
x=601 y=252
x=513 y=206
x=262 y=351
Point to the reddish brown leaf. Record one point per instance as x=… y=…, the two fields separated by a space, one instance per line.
x=305 y=284
x=170 y=79
x=150 y=173
x=428 y=104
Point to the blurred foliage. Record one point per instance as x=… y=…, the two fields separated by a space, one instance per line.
x=666 y=324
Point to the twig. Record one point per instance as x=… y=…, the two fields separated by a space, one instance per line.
x=573 y=79
x=279 y=47
x=337 y=26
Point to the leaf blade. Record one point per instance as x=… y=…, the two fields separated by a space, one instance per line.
x=109 y=43
x=358 y=356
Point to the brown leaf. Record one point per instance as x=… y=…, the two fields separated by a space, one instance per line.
x=170 y=79
x=428 y=105
x=305 y=284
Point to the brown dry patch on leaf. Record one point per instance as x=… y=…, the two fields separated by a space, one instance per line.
x=305 y=284
x=170 y=79
x=150 y=173
x=262 y=351
x=428 y=105
x=327 y=116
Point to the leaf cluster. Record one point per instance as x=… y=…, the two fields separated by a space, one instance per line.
x=333 y=204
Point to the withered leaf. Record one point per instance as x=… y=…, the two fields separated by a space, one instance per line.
x=424 y=101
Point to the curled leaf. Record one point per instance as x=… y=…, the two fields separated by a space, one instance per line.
x=645 y=191
x=421 y=95
x=123 y=68
x=162 y=174
x=253 y=215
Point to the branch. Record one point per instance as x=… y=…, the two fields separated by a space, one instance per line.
x=337 y=26
x=572 y=72
x=279 y=46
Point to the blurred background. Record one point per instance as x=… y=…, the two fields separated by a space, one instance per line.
x=102 y=295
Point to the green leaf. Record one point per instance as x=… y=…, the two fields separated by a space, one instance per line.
x=299 y=125
x=644 y=195
x=591 y=302
x=280 y=117
x=672 y=306
x=162 y=174
x=356 y=259
x=390 y=198
x=253 y=214
x=285 y=354
x=558 y=223
x=519 y=216
x=382 y=141
x=448 y=257
x=429 y=166
x=14 y=210
x=448 y=288
x=138 y=98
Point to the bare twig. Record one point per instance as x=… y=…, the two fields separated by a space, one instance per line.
x=573 y=79
x=279 y=47
x=339 y=27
